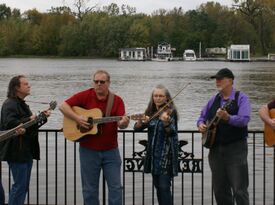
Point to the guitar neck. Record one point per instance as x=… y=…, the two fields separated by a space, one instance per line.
x=106 y=119
x=29 y=123
x=13 y=132
x=217 y=119
x=7 y=134
x=214 y=121
x=10 y=133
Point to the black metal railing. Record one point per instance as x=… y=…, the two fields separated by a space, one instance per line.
x=56 y=177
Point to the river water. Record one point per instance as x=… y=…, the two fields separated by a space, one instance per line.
x=57 y=79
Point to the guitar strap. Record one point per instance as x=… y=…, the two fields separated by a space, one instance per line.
x=110 y=103
x=237 y=96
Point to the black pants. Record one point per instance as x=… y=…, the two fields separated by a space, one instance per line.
x=2 y=194
x=229 y=168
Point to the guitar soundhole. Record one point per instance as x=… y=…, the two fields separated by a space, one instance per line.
x=90 y=120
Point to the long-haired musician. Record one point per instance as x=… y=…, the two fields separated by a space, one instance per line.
x=162 y=148
x=20 y=150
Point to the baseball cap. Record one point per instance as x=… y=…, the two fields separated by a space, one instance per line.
x=223 y=73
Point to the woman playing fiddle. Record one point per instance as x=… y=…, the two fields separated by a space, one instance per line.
x=161 y=158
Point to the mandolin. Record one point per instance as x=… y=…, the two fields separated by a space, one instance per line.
x=209 y=136
x=72 y=131
x=269 y=132
x=7 y=134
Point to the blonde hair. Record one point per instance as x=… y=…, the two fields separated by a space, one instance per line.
x=102 y=72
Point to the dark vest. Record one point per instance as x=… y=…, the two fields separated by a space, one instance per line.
x=226 y=133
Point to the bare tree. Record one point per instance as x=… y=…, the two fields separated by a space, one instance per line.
x=82 y=9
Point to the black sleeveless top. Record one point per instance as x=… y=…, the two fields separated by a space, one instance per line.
x=227 y=133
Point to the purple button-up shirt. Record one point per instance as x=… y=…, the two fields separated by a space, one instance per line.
x=239 y=120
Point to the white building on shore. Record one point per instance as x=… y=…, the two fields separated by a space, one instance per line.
x=133 y=54
x=238 y=53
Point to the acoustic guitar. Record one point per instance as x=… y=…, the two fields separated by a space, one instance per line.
x=72 y=131
x=7 y=134
x=209 y=136
x=269 y=132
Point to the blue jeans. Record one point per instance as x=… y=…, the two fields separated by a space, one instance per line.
x=21 y=173
x=2 y=194
x=229 y=168
x=91 y=163
x=162 y=184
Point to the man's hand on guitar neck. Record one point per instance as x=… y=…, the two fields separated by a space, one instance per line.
x=47 y=113
x=33 y=117
x=124 y=122
x=223 y=114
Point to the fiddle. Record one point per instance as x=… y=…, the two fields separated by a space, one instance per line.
x=167 y=105
x=165 y=115
x=164 y=112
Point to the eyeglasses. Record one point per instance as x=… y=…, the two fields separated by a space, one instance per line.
x=158 y=96
x=100 y=82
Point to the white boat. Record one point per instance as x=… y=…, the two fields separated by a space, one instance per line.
x=164 y=53
x=162 y=58
x=189 y=55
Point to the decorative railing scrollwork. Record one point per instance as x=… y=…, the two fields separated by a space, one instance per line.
x=187 y=162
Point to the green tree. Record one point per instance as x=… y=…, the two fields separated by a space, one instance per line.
x=33 y=16
x=139 y=33
x=5 y=12
x=13 y=37
x=46 y=36
x=257 y=13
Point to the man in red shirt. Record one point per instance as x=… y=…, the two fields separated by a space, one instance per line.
x=99 y=151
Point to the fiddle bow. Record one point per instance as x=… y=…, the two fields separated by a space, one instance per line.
x=166 y=105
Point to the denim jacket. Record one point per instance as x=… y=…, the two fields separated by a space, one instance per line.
x=162 y=147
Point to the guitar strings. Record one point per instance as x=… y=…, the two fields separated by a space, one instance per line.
x=38 y=102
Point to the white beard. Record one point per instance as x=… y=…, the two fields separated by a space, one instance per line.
x=220 y=88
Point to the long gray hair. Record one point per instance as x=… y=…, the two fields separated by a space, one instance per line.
x=152 y=109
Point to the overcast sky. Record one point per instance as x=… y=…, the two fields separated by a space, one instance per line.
x=144 y=6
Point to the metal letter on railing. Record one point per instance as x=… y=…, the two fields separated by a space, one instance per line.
x=187 y=162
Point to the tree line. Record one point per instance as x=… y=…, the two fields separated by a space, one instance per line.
x=102 y=32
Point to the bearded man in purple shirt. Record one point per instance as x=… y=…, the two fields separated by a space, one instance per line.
x=228 y=154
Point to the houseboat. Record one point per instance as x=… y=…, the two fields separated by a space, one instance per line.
x=216 y=51
x=164 y=52
x=189 y=55
x=133 y=54
x=238 y=53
